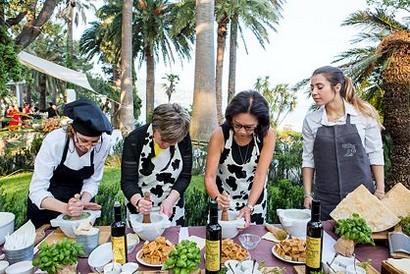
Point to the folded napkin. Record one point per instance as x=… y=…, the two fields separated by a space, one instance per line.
x=21 y=238
x=270 y=237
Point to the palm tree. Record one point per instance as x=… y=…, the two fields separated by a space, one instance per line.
x=155 y=35
x=204 y=106
x=70 y=12
x=257 y=15
x=173 y=81
x=127 y=109
x=383 y=72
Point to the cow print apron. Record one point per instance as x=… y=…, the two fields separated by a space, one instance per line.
x=237 y=179
x=158 y=174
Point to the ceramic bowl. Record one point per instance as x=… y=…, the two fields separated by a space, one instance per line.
x=68 y=225
x=231 y=228
x=99 y=257
x=149 y=231
x=6 y=225
x=294 y=221
x=23 y=267
x=248 y=265
x=130 y=268
x=3 y=266
x=132 y=241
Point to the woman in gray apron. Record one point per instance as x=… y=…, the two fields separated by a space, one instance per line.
x=239 y=155
x=342 y=145
x=70 y=161
x=157 y=158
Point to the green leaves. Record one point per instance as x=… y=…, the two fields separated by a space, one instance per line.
x=51 y=257
x=356 y=229
x=184 y=258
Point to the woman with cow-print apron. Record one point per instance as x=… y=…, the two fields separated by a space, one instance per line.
x=239 y=155
x=157 y=158
x=342 y=144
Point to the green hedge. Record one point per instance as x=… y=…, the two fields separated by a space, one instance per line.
x=14 y=192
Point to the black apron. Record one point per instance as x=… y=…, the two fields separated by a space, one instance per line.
x=64 y=184
x=341 y=165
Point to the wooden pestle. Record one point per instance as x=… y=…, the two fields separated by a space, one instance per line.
x=146 y=218
x=224 y=216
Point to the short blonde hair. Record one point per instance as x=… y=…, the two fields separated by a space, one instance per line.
x=172 y=121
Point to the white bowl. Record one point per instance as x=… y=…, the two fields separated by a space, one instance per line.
x=149 y=231
x=68 y=226
x=294 y=221
x=129 y=268
x=3 y=266
x=23 y=267
x=248 y=264
x=132 y=241
x=6 y=225
x=231 y=228
x=99 y=257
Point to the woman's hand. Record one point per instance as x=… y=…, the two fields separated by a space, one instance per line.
x=307 y=203
x=144 y=206
x=246 y=214
x=74 y=206
x=379 y=194
x=167 y=207
x=223 y=201
x=92 y=206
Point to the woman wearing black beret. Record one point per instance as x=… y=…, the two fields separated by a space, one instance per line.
x=69 y=162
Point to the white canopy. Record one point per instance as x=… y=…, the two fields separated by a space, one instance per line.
x=52 y=69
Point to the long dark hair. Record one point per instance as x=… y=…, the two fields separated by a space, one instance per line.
x=250 y=101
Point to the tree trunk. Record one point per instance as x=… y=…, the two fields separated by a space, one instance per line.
x=42 y=87
x=232 y=58
x=117 y=86
x=70 y=40
x=220 y=53
x=204 y=119
x=150 y=84
x=127 y=106
x=33 y=26
x=396 y=83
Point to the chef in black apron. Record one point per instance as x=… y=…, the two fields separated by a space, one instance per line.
x=342 y=143
x=69 y=165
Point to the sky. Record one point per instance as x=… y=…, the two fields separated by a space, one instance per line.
x=308 y=36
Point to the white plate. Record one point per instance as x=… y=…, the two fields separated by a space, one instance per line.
x=141 y=261
x=283 y=259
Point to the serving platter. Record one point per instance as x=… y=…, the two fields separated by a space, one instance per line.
x=143 y=262
x=283 y=259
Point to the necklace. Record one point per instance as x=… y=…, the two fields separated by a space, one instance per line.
x=243 y=159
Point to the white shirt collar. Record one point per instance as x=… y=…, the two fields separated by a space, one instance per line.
x=322 y=117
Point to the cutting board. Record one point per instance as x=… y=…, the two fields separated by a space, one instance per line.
x=389 y=268
x=57 y=235
x=300 y=269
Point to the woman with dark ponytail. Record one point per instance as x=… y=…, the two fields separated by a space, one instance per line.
x=342 y=145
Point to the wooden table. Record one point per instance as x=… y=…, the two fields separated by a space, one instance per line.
x=262 y=252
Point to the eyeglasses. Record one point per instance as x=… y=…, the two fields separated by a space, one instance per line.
x=82 y=140
x=247 y=128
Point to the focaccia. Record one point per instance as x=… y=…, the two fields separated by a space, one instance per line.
x=398 y=200
x=370 y=208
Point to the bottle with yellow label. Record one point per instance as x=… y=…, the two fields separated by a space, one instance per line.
x=118 y=237
x=314 y=240
x=213 y=241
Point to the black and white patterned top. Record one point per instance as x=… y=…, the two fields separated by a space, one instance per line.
x=235 y=175
x=142 y=170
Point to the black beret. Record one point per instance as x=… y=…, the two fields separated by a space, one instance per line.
x=88 y=119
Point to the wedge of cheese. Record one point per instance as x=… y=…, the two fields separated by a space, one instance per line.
x=370 y=208
x=398 y=200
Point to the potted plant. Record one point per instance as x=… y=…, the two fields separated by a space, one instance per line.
x=352 y=231
x=60 y=257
